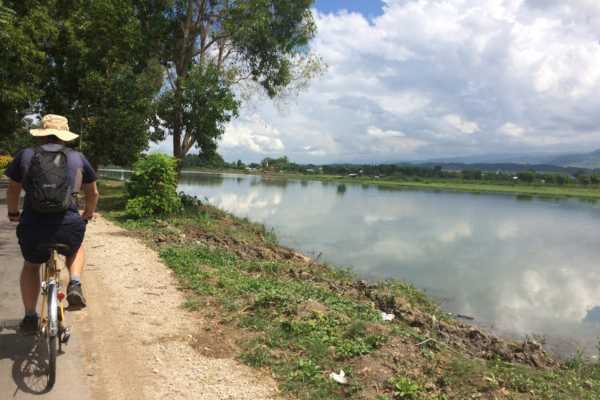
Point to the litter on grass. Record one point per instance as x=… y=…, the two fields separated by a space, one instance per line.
x=387 y=317
x=339 y=378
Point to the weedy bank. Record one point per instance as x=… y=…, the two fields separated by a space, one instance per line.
x=301 y=320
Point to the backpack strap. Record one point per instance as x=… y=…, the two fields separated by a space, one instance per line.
x=66 y=149
x=62 y=149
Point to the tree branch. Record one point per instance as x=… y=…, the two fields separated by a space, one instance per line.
x=188 y=143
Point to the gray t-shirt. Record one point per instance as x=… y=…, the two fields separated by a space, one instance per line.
x=80 y=172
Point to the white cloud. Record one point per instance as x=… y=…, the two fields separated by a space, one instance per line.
x=510 y=129
x=252 y=134
x=464 y=126
x=455 y=77
x=402 y=103
x=379 y=133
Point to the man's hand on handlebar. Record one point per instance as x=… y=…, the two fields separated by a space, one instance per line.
x=87 y=216
x=14 y=217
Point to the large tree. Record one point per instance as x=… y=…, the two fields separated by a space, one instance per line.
x=214 y=45
x=103 y=74
x=24 y=30
x=94 y=61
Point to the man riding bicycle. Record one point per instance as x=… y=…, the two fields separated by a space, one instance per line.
x=52 y=175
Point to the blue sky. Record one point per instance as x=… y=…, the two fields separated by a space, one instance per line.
x=370 y=8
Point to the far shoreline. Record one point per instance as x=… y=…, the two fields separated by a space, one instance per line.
x=545 y=191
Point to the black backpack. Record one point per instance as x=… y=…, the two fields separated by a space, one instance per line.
x=47 y=181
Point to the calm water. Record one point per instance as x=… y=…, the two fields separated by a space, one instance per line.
x=518 y=265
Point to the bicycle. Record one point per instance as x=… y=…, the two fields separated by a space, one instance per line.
x=52 y=331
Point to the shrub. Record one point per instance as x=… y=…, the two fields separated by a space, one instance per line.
x=4 y=161
x=152 y=188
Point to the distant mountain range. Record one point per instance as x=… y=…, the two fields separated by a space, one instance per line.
x=522 y=162
x=586 y=160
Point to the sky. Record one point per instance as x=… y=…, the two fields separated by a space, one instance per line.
x=420 y=79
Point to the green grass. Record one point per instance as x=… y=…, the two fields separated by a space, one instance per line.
x=301 y=322
x=261 y=297
x=542 y=190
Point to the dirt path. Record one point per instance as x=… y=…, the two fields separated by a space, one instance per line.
x=17 y=352
x=135 y=341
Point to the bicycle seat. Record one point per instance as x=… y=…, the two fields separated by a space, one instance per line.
x=61 y=248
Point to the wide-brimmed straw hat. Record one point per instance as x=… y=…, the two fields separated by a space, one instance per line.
x=56 y=125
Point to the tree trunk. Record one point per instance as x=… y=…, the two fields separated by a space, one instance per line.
x=177 y=143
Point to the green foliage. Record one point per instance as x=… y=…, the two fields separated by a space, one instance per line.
x=405 y=389
x=258 y=356
x=6 y=16
x=4 y=161
x=25 y=28
x=93 y=62
x=104 y=76
x=319 y=341
x=206 y=160
x=212 y=45
x=266 y=32
x=152 y=188
x=203 y=103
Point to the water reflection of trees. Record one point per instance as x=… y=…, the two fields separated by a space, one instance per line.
x=204 y=180
x=341 y=189
x=524 y=197
x=383 y=188
x=281 y=183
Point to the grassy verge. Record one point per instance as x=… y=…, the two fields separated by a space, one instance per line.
x=542 y=190
x=478 y=187
x=301 y=321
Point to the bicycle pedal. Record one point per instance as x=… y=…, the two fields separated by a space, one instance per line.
x=66 y=335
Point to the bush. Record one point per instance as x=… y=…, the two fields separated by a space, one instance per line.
x=152 y=188
x=4 y=161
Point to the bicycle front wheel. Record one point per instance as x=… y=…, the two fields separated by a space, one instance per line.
x=52 y=334
x=52 y=342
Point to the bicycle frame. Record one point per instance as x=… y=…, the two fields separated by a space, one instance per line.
x=49 y=324
x=52 y=330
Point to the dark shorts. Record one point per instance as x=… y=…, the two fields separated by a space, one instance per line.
x=31 y=236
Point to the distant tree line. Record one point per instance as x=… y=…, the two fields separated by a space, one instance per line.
x=400 y=171
x=438 y=172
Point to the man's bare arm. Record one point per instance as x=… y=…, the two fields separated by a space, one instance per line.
x=12 y=200
x=91 y=200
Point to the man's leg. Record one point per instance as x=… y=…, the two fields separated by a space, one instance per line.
x=30 y=286
x=30 y=290
x=75 y=263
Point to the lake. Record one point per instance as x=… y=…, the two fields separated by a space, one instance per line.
x=517 y=265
